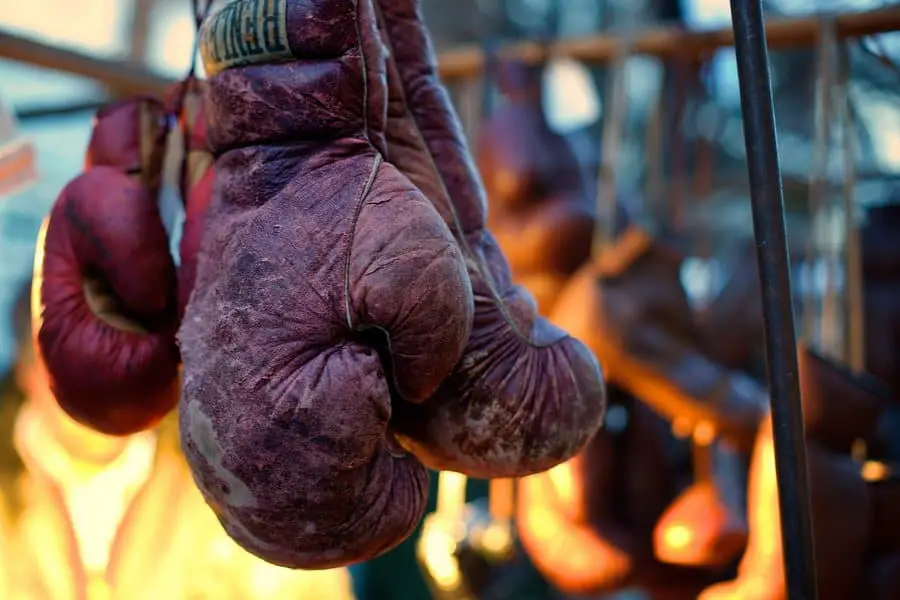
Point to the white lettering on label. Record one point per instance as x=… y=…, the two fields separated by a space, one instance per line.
x=245 y=32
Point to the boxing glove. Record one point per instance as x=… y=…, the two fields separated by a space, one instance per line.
x=841 y=515
x=881 y=291
x=328 y=291
x=588 y=523
x=105 y=281
x=839 y=406
x=197 y=180
x=629 y=306
x=525 y=396
x=539 y=210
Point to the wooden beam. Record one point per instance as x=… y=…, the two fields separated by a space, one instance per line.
x=674 y=41
x=141 y=15
x=122 y=77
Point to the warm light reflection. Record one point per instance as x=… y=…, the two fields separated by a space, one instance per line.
x=678 y=537
x=876 y=471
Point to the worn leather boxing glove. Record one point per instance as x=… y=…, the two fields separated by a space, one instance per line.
x=539 y=210
x=328 y=291
x=850 y=524
x=525 y=396
x=881 y=287
x=105 y=281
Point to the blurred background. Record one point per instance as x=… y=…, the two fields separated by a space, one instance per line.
x=54 y=109
x=122 y=47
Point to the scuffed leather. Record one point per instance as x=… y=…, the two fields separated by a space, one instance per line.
x=106 y=283
x=525 y=396
x=321 y=266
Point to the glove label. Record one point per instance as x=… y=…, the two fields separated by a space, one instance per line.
x=245 y=32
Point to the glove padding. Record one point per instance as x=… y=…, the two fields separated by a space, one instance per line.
x=328 y=291
x=106 y=283
x=525 y=396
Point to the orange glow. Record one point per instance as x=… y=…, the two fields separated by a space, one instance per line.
x=678 y=537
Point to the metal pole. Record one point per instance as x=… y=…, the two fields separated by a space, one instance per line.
x=774 y=272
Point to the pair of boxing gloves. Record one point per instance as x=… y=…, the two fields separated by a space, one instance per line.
x=352 y=321
x=108 y=290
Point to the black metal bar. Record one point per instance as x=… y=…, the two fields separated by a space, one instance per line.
x=774 y=271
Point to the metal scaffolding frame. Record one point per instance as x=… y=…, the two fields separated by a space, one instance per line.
x=770 y=235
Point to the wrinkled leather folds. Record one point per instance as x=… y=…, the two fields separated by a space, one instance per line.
x=525 y=396
x=329 y=292
x=105 y=282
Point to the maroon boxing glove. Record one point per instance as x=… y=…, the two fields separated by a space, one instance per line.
x=196 y=185
x=328 y=291
x=106 y=282
x=526 y=396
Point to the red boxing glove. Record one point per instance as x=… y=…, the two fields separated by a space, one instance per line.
x=106 y=281
x=196 y=186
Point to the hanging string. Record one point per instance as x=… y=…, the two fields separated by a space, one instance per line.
x=653 y=145
x=810 y=332
x=678 y=147
x=853 y=280
x=610 y=148
x=703 y=184
x=199 y=16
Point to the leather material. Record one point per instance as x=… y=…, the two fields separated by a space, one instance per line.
x=329 y=292
x=881 y=292
x=840 y=510
x=198 y=177
x=526 y=395
x=839 y=406
x=883 y=579
x=105 y=282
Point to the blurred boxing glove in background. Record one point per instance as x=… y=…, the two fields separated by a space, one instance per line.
x=539 y=210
